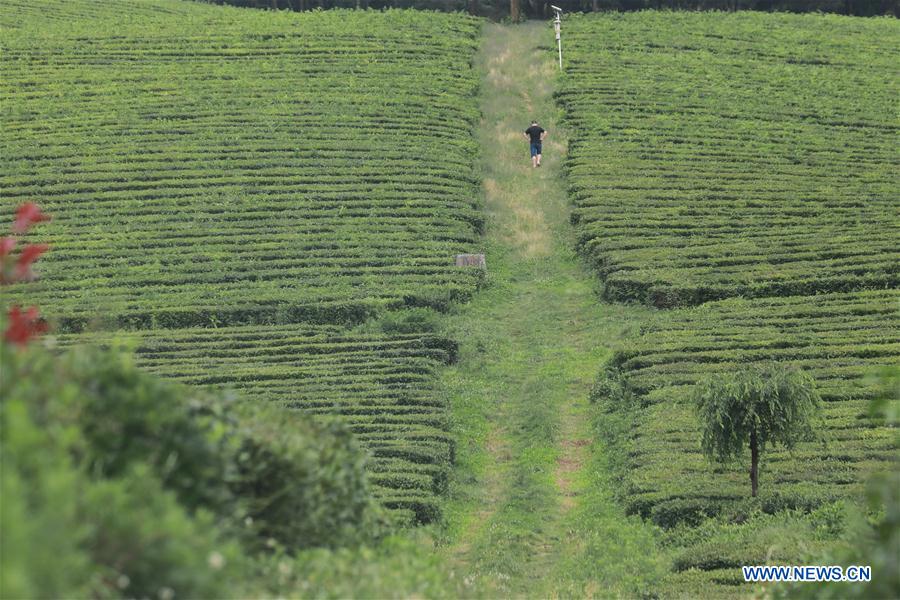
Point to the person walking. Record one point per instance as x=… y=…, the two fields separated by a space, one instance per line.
x=535 y=135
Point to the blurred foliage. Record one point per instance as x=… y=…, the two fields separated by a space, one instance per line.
x=873 y=537
x=116 y=483
x=304 y=485
x=69 y=529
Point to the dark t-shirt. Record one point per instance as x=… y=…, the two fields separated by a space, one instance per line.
x=535 y=132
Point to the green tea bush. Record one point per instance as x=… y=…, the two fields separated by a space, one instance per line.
x=71 y=527
x=304 y=485
x=262 y=171
x=230 y=167
x=714 y=156
x=128 y=417
x=42 y=552
x=412 y=320
x=757 y=540
x=871 y=536
x=382 y=387
x=147 y=545
x=645 y=398
x=116 y=482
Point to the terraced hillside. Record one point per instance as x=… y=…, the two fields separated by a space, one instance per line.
x=223 y=166
x=836 y=338
x=381 y=386
x=273 y=177
x=839 y=339
x=744 y=165
x=722 y=155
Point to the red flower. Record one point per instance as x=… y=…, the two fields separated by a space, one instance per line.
x=23 y=326
x=27 y=215
x=6 y=246
x=29 y=254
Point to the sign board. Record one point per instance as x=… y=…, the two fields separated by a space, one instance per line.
x=471 y=260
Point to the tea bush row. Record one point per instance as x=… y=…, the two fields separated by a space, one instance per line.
x=841 y=340
x=213 y=166
x=715 y=156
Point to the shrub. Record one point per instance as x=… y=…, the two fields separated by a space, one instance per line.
x=149 y=546
x=117 y=482
x=69 y=529
x=42 y=552
x=412 y=320
x=304 y=485
x=126 y=417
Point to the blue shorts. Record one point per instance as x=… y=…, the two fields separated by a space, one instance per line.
x=535 y=149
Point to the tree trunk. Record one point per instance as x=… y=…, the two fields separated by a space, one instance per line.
x=754 y=462
x=514 y=10
x=595 y=5
x=473 y=8
x=274 y=4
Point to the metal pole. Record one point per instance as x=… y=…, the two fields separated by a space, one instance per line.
x=557 y=24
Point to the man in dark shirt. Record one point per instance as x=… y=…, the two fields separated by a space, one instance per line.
x=536 y=135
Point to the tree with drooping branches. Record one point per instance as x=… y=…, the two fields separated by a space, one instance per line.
x=758 y=406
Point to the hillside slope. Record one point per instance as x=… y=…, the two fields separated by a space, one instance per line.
x=215 y=166
x=723 y=155
x=238 y=186
x=746 y=164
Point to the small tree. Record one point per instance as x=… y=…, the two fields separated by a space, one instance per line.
x=770 y=404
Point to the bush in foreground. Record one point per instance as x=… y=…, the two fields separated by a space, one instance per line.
x=118 y=483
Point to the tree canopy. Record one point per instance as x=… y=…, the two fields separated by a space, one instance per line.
x=758 y=406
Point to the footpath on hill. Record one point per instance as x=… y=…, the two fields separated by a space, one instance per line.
x=531 y=510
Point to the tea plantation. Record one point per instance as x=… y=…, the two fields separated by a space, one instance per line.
x=228 y=166
x=734 y=155
x=271 y=202
x=270 y=175
x=745 y=164
x=839 y=339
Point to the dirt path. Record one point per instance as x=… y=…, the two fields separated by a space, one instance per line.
x=531 y=344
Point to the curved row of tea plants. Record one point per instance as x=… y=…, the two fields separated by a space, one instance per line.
x=839 y=339
x=745 y=163
x=748 y=155
x=267 y=176
x=382 y=387
x=227 y=166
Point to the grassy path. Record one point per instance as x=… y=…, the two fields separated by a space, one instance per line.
x=531 y=512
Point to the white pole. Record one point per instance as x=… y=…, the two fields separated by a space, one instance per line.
x=557 y=24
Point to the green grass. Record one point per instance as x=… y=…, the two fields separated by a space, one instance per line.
x=530 y=511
